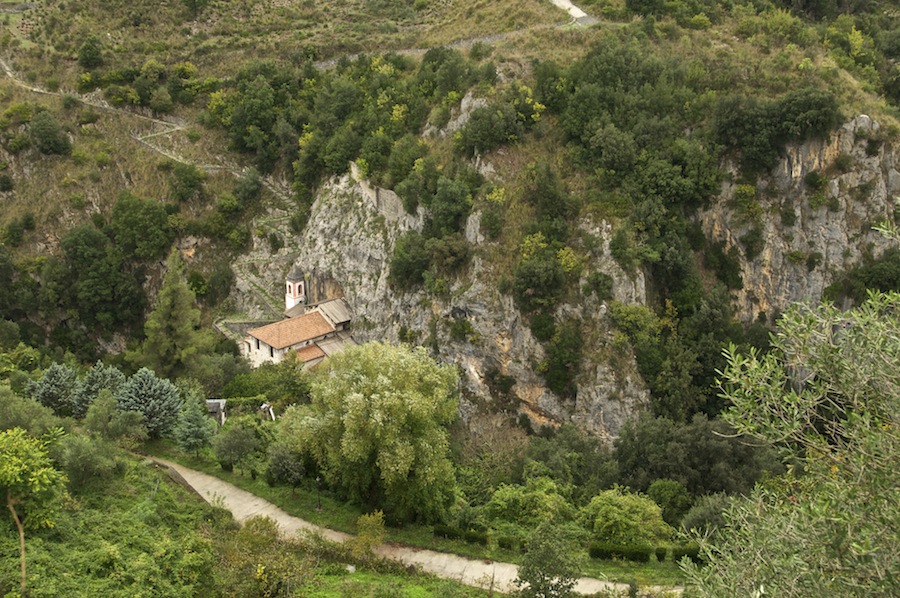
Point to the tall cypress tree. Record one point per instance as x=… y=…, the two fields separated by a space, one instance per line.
x=174 y=342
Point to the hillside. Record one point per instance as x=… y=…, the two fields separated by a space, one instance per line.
x=582 y=172
x=574 y=217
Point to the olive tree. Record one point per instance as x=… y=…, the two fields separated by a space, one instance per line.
x=551 y=565
x=828 y=395
x=377 y=429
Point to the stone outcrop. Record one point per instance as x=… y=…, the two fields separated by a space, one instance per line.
x=832 y=227
x=348 y=242
x=346 y=247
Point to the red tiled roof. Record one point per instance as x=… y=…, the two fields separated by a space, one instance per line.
x=292 y=331
x=307 y=354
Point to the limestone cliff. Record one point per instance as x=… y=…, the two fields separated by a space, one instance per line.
x=812 y=227
x=345 y=248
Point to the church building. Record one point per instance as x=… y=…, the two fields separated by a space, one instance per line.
x=312 y=332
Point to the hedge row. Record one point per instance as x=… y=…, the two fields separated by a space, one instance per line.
x=638 y=554
x=452 y=533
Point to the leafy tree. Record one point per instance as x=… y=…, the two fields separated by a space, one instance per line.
x=285 y=466
x=539 y=500
x=29 y=484
x=106 y=294
x=707 y=515
x=551 y=565
x=195 y=7
x=84 y=459
x=236 y=443
x=377 y=429
x=187 y=181
x=626 y=519
x=174 y=343
x=489 y=127
x=47 y=136
x=90 y=53
x=156 y=398
x=9 y=335
x=105 y=420
x=194 y=430
x=538 y=282
x=574 y=459
x=100 y=377
x=56 y=389
x=410 y=261
x=564 y=359
x=828 y=395
x=672 y=497
x=704 y=455
x=283 y=384
x=449 y=207
x=249 y=187
x=140 y=228
x=25 y=413
x=215 y=370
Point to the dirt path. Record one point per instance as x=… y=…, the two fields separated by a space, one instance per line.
x=477 y=573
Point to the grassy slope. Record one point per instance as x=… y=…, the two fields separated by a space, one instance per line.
x=136 y=533
x=231 y=32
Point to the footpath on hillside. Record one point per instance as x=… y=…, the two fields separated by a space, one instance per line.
x=477 y=573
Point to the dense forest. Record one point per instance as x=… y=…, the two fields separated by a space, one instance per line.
x=146 y=150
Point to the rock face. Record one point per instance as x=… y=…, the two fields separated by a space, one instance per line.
x=346 y=248
x=832 y=226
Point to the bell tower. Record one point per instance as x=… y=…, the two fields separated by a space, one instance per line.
x=295 y=289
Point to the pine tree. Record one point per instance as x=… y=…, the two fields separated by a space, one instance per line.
x=98 y=378
x=195 y=429
x=56 y=389
x=174 y=341
x=157 y=398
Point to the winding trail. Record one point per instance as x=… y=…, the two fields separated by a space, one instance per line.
x=483 y=574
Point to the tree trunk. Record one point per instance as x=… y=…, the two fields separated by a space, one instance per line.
x=11 y=505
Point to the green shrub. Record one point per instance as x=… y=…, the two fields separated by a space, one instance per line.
x=661 y=553
x=90 y=53
x=492 y=221
x=475 y=537
x=489 y=127
x=187 y=181
x=815 y=181
x=788 y=215
x=637 y=554
x=844 y=163
x=600 y=550
x=753 y=243
x=813 y=260
x=48 y=137
x=692 y=551
x=447 y=531
x=818 y=200
x=507 y=542
x=599 y=283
